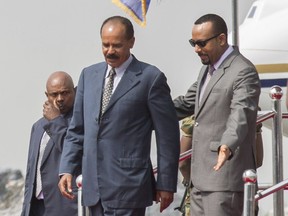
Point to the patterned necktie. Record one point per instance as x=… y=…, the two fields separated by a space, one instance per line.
x=108 y=90
x=208 y=77
x=44 y=141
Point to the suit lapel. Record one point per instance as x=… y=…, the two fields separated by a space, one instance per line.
x=95 y=85
x=37 y=141
x=48 y=148
x=214 y=79
x=97 y=89
x=217 y=75
x=200 y=83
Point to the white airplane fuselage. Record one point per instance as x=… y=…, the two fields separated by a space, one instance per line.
x=263 y=39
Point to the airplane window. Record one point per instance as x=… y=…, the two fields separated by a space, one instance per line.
x=252 y=12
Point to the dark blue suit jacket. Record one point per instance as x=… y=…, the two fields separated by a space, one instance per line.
x=116 y=149
x=55 y=203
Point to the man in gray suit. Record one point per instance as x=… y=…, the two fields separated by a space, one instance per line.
x=114 y=143
x=42 y=196
x=225 y=120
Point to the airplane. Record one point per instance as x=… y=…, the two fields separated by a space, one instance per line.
x=263 y=40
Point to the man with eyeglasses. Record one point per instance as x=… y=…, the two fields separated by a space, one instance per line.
x=224 y=100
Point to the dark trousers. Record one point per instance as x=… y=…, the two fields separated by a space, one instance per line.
x=37 y=207
x=100 y=210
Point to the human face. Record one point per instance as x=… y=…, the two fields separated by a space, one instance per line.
x=115 y=45
x=202 y=43
x=207 y=44
x=61 y=94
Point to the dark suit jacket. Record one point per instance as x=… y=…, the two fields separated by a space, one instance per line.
x=55 y=203
x=226 y=115
x=116 y=149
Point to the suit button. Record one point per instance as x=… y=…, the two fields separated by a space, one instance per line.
x=196 y=124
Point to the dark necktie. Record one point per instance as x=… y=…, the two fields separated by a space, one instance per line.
x=108 y=90
x=208 y=77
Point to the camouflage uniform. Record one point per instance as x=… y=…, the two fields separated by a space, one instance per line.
x=187 y=130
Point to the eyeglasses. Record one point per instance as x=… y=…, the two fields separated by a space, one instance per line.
x=202 y=43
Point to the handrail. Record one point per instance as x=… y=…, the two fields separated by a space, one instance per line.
x=264 y=115
x=277 y=159
x=285 y=115
x=261 y=117
x=272 y=189
x=264 y=186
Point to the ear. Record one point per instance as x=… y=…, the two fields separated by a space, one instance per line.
x=223 y=39
x=131 y=42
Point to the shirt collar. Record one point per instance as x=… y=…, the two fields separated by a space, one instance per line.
x=223 y=57
x=120 y=70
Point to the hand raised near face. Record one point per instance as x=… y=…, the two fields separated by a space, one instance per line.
x=50 y=110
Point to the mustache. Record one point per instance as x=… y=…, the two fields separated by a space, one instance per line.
x=112 y=56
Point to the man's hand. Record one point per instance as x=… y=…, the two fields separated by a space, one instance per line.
x=223 y=155
x=50 y=111
x=165 y=198
x=65 y=186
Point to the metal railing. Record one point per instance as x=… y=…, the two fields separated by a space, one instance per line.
x=81 y=208
x=250 y=178
x=249 y=193
x=277 y=159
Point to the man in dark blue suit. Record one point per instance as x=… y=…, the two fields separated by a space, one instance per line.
x=42 y=196
x=114 y=142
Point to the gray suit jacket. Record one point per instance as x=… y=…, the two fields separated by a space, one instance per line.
x=116 y=149
x=226 y=115
x=55 y=203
